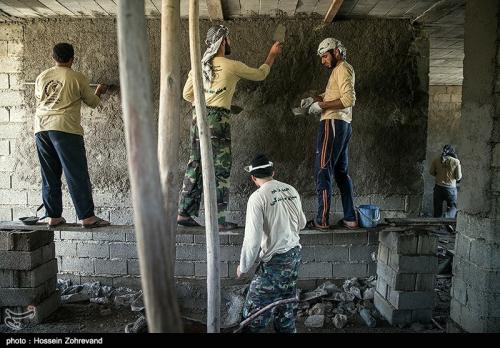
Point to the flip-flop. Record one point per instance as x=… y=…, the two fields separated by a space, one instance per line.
x=311 y=225
x=62 y=222
x=342 y=224
x=190 y=222
x=97 y=223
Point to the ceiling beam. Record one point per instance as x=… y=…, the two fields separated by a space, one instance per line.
x=438 y=11
x=332 y=11
x=215 y=10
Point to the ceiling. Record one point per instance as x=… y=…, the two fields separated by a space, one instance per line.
x=443 y=19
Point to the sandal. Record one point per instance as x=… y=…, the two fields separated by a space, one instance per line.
x=311 y=225
x=343 y=224
x=97 y=223
x=62 y=222
x=190 y=222
x=226 y=226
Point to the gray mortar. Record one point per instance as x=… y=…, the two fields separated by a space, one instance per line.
x=390 y=116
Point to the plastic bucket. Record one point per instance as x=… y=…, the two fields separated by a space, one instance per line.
x=369 y=215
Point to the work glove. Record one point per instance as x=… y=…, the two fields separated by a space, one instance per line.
x=306 y=102
x=315 y=109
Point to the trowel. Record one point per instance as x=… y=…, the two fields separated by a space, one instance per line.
x=279 y=33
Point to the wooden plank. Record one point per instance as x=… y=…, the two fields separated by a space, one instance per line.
x=438 y=11
x=39 y=8
x=57 y=8
x=162 y=309
x=332 y=11
x=382 y=8
x=306 y=6
x=420 y=7
x=288 y=6
x=25 y=10
x=84 y=8
x=363 y=7
x=12 y=11
x=208 y=174
x=215 y=10
x=322 y=6
x=108 y=5
x=150 y=9
x=401 y=8
x=347 y=7
x=421 y=221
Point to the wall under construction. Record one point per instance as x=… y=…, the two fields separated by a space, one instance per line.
x=390 y=59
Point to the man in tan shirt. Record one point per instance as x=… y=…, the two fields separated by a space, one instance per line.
x=334 y=134
x=59 y=92
x=447 y=170
x=220 y=76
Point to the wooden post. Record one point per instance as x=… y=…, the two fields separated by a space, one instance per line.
x=149 y=214
x=207 y=163
x=169 y=115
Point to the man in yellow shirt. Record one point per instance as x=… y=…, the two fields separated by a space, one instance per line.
x=448 y=171
x=334 y=134
x=220 y=76
x=59 y=92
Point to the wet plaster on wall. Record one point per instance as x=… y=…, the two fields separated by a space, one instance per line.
x=390 y=116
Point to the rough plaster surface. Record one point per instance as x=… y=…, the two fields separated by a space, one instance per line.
x=390 y=116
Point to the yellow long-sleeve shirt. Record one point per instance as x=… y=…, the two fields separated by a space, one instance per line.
x=227 y=74
x=59 y=92
x=446 y=173
x=340 y=86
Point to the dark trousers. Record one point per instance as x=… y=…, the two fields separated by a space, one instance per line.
x=58 y=152
x=332 y=160
x=448 y=195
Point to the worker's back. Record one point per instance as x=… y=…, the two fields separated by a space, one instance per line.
x=59 y=92
x=448 y=172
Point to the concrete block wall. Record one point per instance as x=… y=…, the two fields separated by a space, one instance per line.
x=475 y=303
x=406 y=269
x=445 y=110
x=28 y=273
x=111 y=257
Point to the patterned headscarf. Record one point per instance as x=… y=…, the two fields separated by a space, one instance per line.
x=215 y=35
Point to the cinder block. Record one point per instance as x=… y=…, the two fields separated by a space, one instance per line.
x=89 y=249
x=4 y=115
x=127 y=282
x=315 y=270
x=36 y=277
x=413 y=264
x=74 y=235
x=11 y=32
x=110 y=266
x=104 y=280
x=11 y=197
x=15 y=48
x=123 y=250
x=25 y=240
x=3 y=49
x=201 y=239
x=411 y=299
x=427 y=244
x=349 y=270
x=230 y=253
x=391 y=314
x=80 y=265
x=133 y=267
x=5 y=182
x=350 y=238
x=10 y=98
x=5 y=214
x=381 y=287
x=192 y=252
x=184 y=269
x=27 y=296
x=373 y=237
x=200 y=269
x=325 y=253
x=26 y=260
x=424 y=282
x=315 y=239
x=109 y=236
x=4 y=78
x=485 y=254
x=66 y=248
x=361 y=253
x=17 y=114
x=184 y=238
x=421 y=315
x=397 y=281
x=130 y=236
x=403 y=243
x=236 y=239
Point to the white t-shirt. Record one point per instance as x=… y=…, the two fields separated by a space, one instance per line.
x=273 y=221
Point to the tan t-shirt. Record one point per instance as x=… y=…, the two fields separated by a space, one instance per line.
x=59 y=92
x=446 y=173
x=340 y=86
x=227 y=73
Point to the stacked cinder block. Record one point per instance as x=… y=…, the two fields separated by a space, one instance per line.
x=406 y=269
x=28 y=274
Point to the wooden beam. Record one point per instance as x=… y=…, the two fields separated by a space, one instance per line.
x=208 y=173
x=215 y=10
x=332 y=11
x=162 y=309
x=438 y=11
x=169 y=114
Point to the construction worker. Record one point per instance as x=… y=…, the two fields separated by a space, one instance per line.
x=220 y=76
x=447 y=170
x=59 y=92
x=274 y=218
x=334 y=134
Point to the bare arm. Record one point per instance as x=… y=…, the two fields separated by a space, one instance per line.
x=273 y=53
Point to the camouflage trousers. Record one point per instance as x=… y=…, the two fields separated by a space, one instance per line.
x=192 y=187
x=274 y=280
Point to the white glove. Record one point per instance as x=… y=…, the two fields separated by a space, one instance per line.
x=306 y=102
x=315 y=108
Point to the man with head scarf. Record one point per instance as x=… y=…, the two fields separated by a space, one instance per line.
x=334 y=134
x=447 y=170
x=220 y=76
x=274 y=218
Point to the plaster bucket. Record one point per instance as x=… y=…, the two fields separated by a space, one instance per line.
x=368 y=215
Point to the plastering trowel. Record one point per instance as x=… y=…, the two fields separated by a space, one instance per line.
x=279 y=33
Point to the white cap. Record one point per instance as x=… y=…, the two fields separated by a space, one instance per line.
x=250 y=168
x=330 y=44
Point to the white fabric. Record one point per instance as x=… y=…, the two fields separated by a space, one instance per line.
x=273 y=220
x=315 y=108
x=306 y=102
x=214 y=39
x=250 y=168
x=330 y=44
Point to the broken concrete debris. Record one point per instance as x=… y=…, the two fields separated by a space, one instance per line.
x=340 y=320
x=315 y=321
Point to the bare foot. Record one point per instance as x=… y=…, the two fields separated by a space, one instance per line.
x=56 y=221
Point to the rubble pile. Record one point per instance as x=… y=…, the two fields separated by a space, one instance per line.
x=351 y=303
